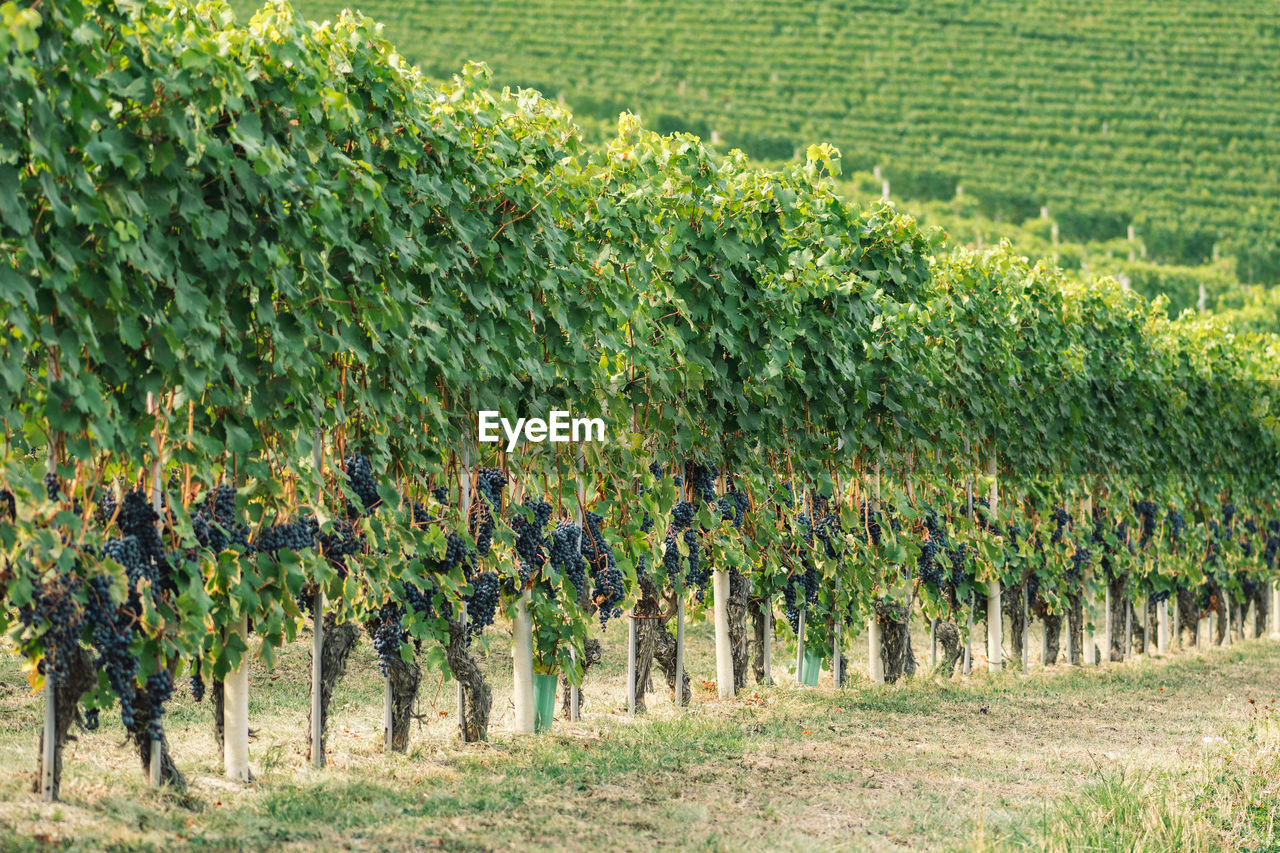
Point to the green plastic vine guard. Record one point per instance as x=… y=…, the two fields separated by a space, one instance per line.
x=812 y=666
x=544 y=701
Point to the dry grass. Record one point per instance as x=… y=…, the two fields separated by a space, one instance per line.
x=1157 y=755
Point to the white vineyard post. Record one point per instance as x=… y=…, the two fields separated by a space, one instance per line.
x=995 y=618
x=1175 y=636
x=522 y=664
x=1026 y=628
x=724 y=652
x=317 y=632
x=49 y=744
x=235 y=711
x=1071 y=641
x=388 y=712
x=1275 y=610
x=1146 y=625
x=1106 y=622
x=720 y=601
x=1128 y=630
x=968 y=640
x=884 y=190
x=680 y=651
x=767 y=605
x=1162 y=627
x=875 y=649
x=631 y=665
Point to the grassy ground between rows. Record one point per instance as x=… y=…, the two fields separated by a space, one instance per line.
x=1181 y=753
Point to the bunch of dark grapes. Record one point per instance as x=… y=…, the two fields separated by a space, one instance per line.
x=607 y=578
x=702 y=480
x=390 y=635
x=482 y=604
x=927 y=568
x=359 y=472
x=1079 y=559
x=739 y=503
x=1146 y=511
x=1162 y=595
x=699 y=575
x=8 y=506
x=1177 y=523
x=789 y=607
x=110 y=637
x=298 y=535
x=1033 y=589
x=345 y=540
x=1249 y=586
x=566 y=556
x=1228 y=514
x=106 y=507
x=958 y=556
x=489 y=485
x=531 y=544
x=215 y=523
x=54 y=605
x=682 y=515
x=441 y=494
x=159 y=690
x=138 y=520
x=1269 y=551
x=1061 y=521
x=197 y=684
x=52 y=486
x=91 y=720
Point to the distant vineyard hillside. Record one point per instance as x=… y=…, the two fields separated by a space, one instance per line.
x=1154 y=113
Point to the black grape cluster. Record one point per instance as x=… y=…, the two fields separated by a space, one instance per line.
x=52 y=486
x=1272 y=545
x=390 y=635
x=345 y=540
x=609 y=587
x=54 y=605
x=106 y=507
x=360 y=477
x=1079 y=559
x=1163 y=595
x=733 y=507
x=699 y=575
x=441 y=494
x=682 y=515
x=801 y=591
x=958 y=557
x=138 y=520
x=110 y=639
x=159 y=689
x=702 y=480
x=566 y=556
x=531 y=544
x=1177 y=523
x=489 y=485
x=1228 y=514
x=1061 y=521
x=1146 y=511
x=128 y=553
x=197 y=684
x=482 y=604
x=927 y=568
x=216 y=524
x=298 y=535
x=8 y=506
